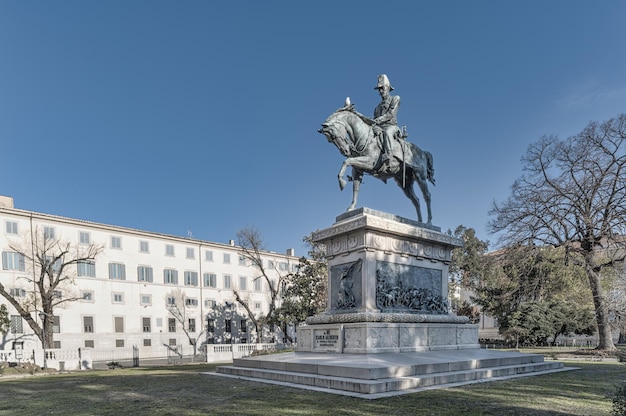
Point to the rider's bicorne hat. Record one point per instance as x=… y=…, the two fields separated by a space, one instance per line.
x=383 y=81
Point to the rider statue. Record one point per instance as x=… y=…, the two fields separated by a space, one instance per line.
x=385 y=122
x=385 y=116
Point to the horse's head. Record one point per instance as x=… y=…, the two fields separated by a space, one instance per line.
x=336 y=132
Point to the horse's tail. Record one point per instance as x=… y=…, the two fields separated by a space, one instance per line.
x=430 y=170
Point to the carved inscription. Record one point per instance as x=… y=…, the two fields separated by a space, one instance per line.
x=326 y=339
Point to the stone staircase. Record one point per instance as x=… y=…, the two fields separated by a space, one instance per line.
x=380 y=375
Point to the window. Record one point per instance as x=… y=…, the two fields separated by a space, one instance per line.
x=170 y=276
x=209 y=303
x=210 y=280
x=242 y=261
x=171 y=301
x=208 y=255
x=119 y=343
x=172 y=342
x=48 y=233
x=147 y=342
x=116 y=242
x=11 y=227
x=227 y=283
x=191 y=253
x=88 y=324
x=56 y=324
x=270 y=264
x=169 y=250
x=117 y=271
x=86 y=268
x=13 y=261
x=118 y=298
x=191 y=278
x=226 y=258
x=171 y=325
x=146 y=299
x=283 y=266
x=17 y=292
x=227 y=323
x=146 y=324
x=89 y=343
x=210 y=325
x=57 y=294
x=16 y=324
x=257 y=305
x=193 y=302
x=118 y=322
x=87 y=295
x=55 y=265
x=143 y=247
x=192 y=324
x=144 y=274
x=242 y=326
x=57 y=345
x=84 y=238
x=243 y=283
x=257 y=284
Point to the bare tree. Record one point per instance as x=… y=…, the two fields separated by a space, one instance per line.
x=251 y=248
x=573 y=195
x=50 y=283
x=176 y=304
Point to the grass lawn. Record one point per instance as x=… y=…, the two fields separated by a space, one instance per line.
x=182 y=390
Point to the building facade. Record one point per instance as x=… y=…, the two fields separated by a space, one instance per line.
x=127 y=295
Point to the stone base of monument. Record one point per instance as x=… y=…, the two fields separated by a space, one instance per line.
x=379 y=337
x=387 y=329
x=374 y=376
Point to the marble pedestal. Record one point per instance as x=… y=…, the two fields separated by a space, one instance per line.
x=388 y=289
x=387 y=329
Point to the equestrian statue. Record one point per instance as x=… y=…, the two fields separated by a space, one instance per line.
x=378 y=147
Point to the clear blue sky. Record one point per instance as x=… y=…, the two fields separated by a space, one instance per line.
x=171 y=116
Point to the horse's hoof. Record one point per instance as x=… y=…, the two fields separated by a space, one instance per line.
x=342 y=184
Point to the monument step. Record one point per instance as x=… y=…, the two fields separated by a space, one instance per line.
x=376 y=374
x=390 y=384
x=376 y=366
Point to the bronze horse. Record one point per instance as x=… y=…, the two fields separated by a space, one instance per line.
x=356 y=140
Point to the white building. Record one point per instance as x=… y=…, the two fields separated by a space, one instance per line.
x=124 y=293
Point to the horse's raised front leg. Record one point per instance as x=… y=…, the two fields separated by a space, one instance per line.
x=342 y=171
x=362 y=163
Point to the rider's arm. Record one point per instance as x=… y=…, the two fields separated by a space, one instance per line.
x=366 y=119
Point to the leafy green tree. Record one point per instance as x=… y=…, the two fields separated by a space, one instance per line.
x=5 y=323
x=536 y=322
x=468 y=263
x=465 y=308
x=572 y=195
x=525 y=279
x=468 y=266
x=305 y=292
